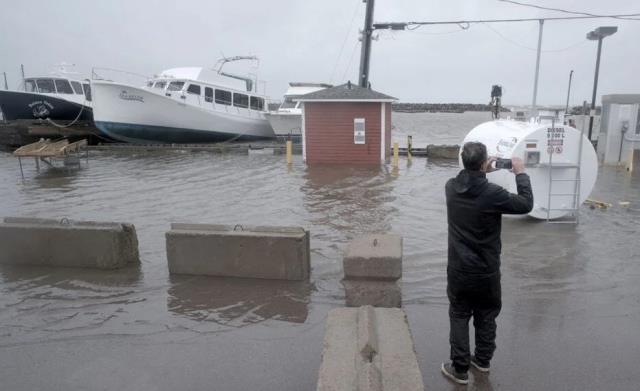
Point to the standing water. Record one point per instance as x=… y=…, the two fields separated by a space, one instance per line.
x=570 y=294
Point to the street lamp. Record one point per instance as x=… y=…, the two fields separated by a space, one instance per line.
x=597 y=34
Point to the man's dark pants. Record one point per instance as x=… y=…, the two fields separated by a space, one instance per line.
x=477 y=295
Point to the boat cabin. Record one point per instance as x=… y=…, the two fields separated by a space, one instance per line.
x=209 y=94
x=57 y=85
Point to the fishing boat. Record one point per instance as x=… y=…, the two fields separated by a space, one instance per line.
x=286 y=121
x=183 y=105
x=60 y=96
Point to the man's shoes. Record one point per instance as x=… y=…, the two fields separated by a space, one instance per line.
x=479 y=366
x=449 y=371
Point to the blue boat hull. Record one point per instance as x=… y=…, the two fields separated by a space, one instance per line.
x=148 y=134
x=20 y=105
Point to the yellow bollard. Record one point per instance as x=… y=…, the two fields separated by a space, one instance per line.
x=289 y=152
x=395 y=155
x=409 y=139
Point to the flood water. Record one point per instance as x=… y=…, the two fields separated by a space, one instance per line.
x=571 y=297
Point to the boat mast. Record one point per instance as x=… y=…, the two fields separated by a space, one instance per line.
x=365 y=54
x=249 y=82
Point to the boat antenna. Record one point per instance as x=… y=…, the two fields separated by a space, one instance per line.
x=248 y=81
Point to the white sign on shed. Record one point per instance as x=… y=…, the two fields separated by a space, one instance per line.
x=358 y=131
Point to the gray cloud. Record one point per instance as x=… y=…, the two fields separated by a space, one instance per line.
x=302 y=40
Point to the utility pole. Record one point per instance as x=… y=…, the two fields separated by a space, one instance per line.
x=534 y=109
x=595 y=88
x=598 y=34
x=365 y=54
x=566 y=108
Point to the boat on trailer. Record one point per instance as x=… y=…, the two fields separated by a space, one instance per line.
x=60 y=96
x=183 y=105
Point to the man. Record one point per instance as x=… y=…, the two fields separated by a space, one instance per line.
x=474 y=213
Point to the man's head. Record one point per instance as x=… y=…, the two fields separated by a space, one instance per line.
x=474 y=156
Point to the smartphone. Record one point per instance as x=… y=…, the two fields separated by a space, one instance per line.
x=503 y=163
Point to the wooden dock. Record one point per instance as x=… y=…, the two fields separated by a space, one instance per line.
x=46 y=150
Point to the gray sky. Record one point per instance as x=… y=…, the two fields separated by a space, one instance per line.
x=303 y=41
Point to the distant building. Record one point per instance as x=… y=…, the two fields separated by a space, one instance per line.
x=346 y=124
x=619 y=137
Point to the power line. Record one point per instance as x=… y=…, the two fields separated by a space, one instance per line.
x=623 y=17
x=353 y=17
x=350 y=60
x=498 y=33
x=415 y=25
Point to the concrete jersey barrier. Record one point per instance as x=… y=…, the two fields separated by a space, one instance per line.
x=281 y=253
x=47 y=242
x=375 y=257
x=368 y=349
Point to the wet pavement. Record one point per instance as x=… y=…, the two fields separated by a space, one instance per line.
x=571 y=311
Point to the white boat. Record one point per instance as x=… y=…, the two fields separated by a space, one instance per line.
x=183 y=105
x=287 y=120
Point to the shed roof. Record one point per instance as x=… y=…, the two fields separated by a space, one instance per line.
x=347 y=92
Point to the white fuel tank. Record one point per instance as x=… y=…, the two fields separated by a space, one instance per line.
x=550 y=154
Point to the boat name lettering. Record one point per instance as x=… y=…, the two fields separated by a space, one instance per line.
x=40 y=103
x=40 y=108
x=126 y=96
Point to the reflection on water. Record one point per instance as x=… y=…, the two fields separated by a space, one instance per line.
x=349 y=199
x=236 y=301
x=38 y=300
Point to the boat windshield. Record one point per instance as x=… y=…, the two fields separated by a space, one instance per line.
x=77 y=87
x=160 y=84
x=87 y=91
x=175 y=86
x=30 y=85
x=289 y=103
x=45 y=86
x=63 y=86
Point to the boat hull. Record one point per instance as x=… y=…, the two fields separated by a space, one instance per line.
x=136 y=115
x=16 y=105
x=146 y=134
x=286 y=125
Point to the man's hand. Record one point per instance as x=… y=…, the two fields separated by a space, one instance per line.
x=517 y=165
x=488 y=165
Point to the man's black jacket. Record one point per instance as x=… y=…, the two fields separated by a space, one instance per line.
x=474 y=212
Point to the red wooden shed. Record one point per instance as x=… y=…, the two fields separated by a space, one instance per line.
x=346 y=124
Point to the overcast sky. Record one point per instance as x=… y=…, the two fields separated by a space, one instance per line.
x=317 y=40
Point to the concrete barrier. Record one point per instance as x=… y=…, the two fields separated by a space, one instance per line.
x=368 y=349
x=102 y=245
x=377 y=257
x=280 y=253
x=443 y=151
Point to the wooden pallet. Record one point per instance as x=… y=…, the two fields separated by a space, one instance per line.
x=46 y=148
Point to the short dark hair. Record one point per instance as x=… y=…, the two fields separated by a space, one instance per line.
x=474 y=154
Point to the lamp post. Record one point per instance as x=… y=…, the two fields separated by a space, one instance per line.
x=597 y=34
x=566 y=107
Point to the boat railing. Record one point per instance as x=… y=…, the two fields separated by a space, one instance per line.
x=111 y=74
